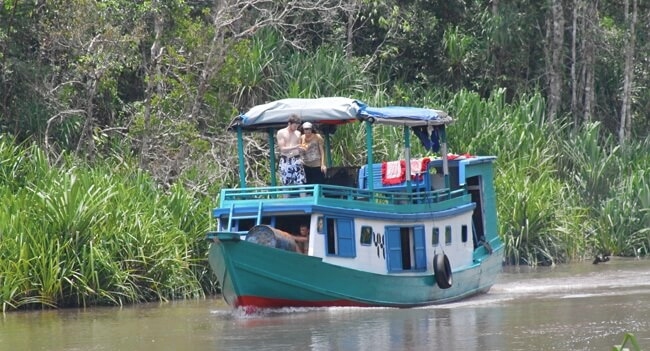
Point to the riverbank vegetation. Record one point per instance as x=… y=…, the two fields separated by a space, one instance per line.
x=74 y=235
x=113 y=145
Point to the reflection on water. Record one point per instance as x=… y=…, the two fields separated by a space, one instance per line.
x=573 y=307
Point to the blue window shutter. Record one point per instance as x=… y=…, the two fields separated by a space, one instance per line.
x=393 y=249
x=345 y=237
x=419 y=248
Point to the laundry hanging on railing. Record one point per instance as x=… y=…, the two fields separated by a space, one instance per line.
x=393 y=172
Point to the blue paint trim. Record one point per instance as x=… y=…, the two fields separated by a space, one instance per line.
x=419 y=248
x=269 y=210
x=461 y=172
x=394 y=261
x=344 y=212
x=467 y=163
x=345 y=237
x=419 y=216
x=393 y=249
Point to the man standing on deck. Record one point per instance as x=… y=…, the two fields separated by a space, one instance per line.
x=292 y=171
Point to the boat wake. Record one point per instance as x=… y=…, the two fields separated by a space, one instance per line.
x=615 y=278
x=620 y=277
x=254 y=312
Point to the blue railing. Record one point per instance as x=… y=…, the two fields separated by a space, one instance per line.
x=320 y=193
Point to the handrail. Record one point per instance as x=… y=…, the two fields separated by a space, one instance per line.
x=311 y=192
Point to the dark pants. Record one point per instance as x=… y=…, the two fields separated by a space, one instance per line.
x=314 y=175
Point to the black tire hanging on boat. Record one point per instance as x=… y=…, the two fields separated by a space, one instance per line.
x=442 y=271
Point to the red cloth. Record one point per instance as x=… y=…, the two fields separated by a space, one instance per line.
x=451 y=157
x=394 y=172
x=391 y=175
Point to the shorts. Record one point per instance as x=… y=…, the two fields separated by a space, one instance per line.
x=292 y=171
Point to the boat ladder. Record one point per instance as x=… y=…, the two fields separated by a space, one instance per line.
x=231 y=216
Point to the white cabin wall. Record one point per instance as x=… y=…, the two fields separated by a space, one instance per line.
x=460 y=254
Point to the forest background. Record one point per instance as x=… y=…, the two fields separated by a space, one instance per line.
x=113 y=113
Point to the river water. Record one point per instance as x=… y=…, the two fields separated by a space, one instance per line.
x=579 y=306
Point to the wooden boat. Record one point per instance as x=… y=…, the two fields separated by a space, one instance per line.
x=428 y=238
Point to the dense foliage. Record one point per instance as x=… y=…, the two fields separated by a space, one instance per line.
x=78 y=236
x=112 y=116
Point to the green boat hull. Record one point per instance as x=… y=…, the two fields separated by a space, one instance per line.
x=253 y=275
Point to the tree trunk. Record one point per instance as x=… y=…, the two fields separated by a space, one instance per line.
x=213 y=61
x=574 y=62
x=86 y=137
x=352 y=16
x=5 y=86
x=153 y=75
x=495 y=49
x=589 y=48
x=625 y=127
x=555 y=64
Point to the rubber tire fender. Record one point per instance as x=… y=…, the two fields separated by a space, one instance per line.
x=442 y=271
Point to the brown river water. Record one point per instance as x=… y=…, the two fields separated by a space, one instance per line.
x=580 y=306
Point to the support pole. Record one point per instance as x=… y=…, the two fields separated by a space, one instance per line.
x=407 y=156
x=443 y=151
x=272 y=156
x=240 y=153
x=369 y=172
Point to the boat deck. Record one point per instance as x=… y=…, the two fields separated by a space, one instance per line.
x=422 y=196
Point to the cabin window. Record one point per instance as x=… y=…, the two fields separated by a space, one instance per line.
x=339 y=236
x=448 y=235
x=240 y=225
x=245 y=224
x=366 y=235
x=291 y=224
x=405 y=247
x=463 y=233
x=435 y=236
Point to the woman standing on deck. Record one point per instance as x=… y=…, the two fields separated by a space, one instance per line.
x=314 y=154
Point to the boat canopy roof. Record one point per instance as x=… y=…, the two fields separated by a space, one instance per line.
x=335 y=111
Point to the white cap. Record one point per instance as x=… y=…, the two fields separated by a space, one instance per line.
x=306 y=125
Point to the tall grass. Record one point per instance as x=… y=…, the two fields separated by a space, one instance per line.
x=76 y=236
x=329 y=74
x=613 y=182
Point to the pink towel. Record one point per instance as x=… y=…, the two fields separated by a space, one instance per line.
x=419 y=165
